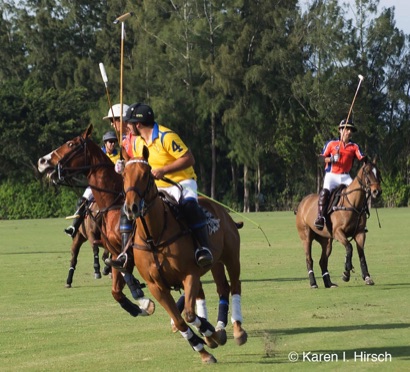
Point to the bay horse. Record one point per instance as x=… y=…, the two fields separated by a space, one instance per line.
x=164 y=255
x=89 y=230
x=81 y=156
x=346 y=219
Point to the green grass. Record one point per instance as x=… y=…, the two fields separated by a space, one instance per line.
x=45 y=327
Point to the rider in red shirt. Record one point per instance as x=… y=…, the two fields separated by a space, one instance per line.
x=338 y=156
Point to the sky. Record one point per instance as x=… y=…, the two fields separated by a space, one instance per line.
x=401 y=13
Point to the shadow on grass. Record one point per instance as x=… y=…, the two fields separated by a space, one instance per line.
x=309 y=330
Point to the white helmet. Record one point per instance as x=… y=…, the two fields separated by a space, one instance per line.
x=116 y=109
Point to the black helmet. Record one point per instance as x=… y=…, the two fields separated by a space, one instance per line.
x=348 y=125
x=109 y=136
x=140 y=113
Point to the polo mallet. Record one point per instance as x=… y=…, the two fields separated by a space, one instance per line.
x=121 y=19
x=351 y=107
x=105 y=80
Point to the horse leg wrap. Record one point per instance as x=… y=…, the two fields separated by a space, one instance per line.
x=236 y=309
x=181 y=303
x=201 y=309
x=130 y=307
x=134 y=285
x=194 y=340
x=223 y=309
x=203 y=326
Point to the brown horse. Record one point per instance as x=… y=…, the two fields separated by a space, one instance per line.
x=347 y=219
x=81 y=156
x=164 y=255
x=88 y=230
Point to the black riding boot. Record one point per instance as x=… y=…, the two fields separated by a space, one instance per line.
x=79 y=217
x=197 y=223
x=322 y=206
x=126 y=227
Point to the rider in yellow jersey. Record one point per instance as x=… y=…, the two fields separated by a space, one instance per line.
x=169 y=157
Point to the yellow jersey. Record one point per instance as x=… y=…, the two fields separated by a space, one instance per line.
x=165 y=147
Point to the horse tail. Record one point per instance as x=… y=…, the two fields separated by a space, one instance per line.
x=295 y=211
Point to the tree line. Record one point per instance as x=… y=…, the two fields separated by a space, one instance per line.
x=255 y=88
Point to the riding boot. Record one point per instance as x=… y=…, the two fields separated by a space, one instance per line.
x=126 y=228
x=322 y=206
x=197 y=223
x=78 y=219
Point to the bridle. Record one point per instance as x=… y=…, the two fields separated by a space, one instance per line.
x=368 y=183
x=143 y=204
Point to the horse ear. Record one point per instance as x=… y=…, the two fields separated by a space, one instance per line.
x=145 y=153
x=88 y=131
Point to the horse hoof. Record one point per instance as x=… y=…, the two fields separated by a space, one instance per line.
x=239 y=334
x=345 y=277
x=207 y=358
x=147 y=306
x=210 y=342
x=68 y=285
x=219 y=337
x=222 y=337
x=97 y=275
x=333 y=285
x=314 y=286
x=368 y=280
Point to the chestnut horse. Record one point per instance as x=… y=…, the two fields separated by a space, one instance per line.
x=346 y=219
x=81 y=156
x=88 y=230
x=164 y=255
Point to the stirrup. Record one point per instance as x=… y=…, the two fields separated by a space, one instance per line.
x=120 y=263
x=203 y=257
x=320 y=223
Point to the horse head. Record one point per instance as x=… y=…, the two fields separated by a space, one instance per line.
x=139 y=186
x=66 y=160
x=370 y=178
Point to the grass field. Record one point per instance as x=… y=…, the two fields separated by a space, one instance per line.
x=46 y=327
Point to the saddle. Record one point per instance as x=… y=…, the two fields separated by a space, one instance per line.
x=212 y=222
x=334 y=198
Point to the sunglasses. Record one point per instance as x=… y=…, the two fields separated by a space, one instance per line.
x=111 y=141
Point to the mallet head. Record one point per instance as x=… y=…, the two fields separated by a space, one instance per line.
x=361 y=77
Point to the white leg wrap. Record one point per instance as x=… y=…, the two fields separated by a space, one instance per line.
x=326 y=273
x=220 y=325
x=236 y=309
x=201 y=309
x=187 y=335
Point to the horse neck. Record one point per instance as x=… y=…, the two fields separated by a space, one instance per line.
x=154 y=220
x=355 y=192
x=105 y=183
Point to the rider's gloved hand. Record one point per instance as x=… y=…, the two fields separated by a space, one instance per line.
x=334 y=158
x=119 y=166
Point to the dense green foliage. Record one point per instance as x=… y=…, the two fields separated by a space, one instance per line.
x=254 y=88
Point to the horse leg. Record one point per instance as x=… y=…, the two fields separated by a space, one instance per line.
x=106 y=269
x=167 y=302
x=307 y=246
x=97 y=272
x=192 y=286
x=348 y=261
x=118 y=284
x=78 y=240
x=360 y=239
x=326 y=244
x=233 y=267
x=223 y=289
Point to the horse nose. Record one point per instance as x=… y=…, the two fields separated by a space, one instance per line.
x=135 y=209
x=376 y=193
